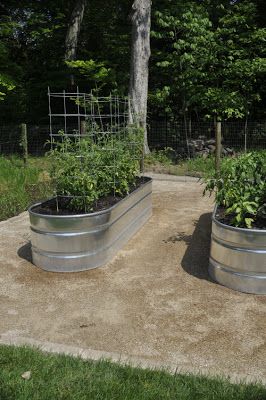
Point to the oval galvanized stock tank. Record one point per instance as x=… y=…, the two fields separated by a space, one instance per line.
x=238 y=257
x=69 y=243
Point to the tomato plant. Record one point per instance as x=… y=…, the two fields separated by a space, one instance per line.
x=88 y=168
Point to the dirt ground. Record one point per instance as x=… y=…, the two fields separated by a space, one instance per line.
x=154 y=302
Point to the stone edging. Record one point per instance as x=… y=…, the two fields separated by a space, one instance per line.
x=11 y=338
x=173 y=178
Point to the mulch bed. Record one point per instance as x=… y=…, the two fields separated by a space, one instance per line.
x=221 y=216
x=62 y=205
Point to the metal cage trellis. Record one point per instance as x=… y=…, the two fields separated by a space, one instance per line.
x=102 y=121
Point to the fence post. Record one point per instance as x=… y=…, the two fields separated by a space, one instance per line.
x=24 y=142
x=83 y=128
x=166 y=126
x=245 y=133
x=218 y=144
x=142 y=160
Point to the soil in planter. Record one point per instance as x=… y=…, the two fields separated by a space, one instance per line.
x=221 y=216
x=63 y=204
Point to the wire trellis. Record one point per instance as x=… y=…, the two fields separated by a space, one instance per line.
x=97 y=121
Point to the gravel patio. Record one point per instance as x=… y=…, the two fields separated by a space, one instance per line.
x=153 y=305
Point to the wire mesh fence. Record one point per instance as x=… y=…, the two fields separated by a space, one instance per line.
x=187 y=140
x=198 y=138
x=10 y=139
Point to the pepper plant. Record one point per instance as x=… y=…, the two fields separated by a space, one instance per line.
x=240 y=187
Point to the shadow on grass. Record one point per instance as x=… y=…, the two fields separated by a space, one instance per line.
x=25 y=252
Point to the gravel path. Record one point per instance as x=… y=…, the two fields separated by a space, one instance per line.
x=154 y=304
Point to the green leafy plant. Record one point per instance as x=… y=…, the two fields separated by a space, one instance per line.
x=160 y=157
x=95 y=72
x=240 y=187
x=87 y=169
x=6 y=84
x=210 y=58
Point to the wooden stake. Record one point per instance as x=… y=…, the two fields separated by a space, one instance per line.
x=24 y=143
x=83 y=128
x=218 y=144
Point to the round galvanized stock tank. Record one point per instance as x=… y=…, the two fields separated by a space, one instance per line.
x=69 y=243
x=238 y=257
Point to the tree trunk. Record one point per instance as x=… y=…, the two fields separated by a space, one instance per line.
x=71 y=42
x=139 y=69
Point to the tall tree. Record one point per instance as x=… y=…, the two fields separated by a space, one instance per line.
x=211 y=60
x=205 y=54
x=71 y=42
x=74 y=29
x=139 y=70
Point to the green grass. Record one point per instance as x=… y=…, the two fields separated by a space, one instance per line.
x=200 y=166
x=20 y=186
x=63 y=377
x=160 y=162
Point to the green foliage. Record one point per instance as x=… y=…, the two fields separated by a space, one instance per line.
x=186 y=31
x=6 y=84
x=214 y=58
x=208 y=57
x=159 y=156
x=95 y=72
x=241 y=187
x=92 y=168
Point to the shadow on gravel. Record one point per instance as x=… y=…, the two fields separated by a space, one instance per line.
x=25 y=252
x=196 y=259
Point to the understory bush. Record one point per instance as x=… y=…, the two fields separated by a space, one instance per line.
x=240 y=187
x=88 y=169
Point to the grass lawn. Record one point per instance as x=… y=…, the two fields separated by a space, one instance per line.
x=64 y=377
x=20 y=186
x=159 y=162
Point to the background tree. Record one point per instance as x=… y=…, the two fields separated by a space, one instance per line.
x=205 y=54
x=139 y=69
x=214 y=61
x=73 y=30
x=71 y=42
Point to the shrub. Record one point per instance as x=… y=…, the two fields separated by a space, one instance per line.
x=241 y=188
